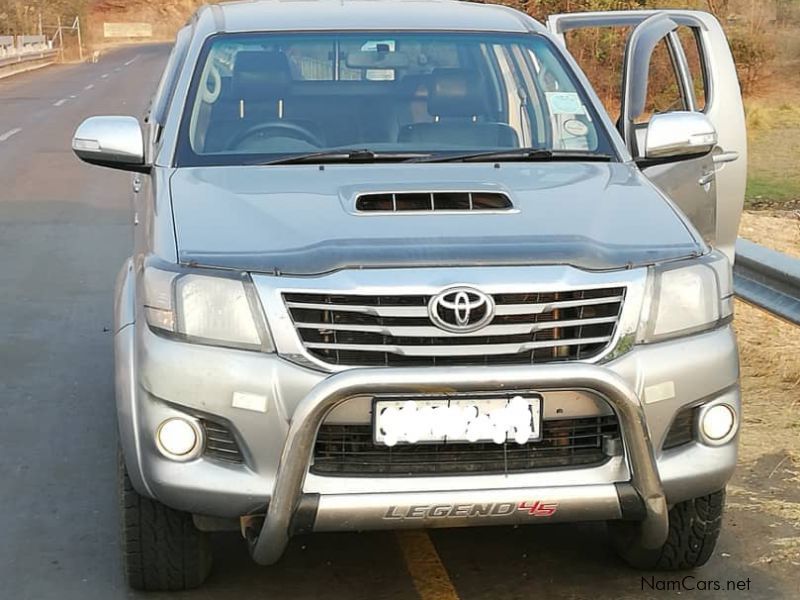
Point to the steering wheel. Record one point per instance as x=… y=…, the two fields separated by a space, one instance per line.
x=291 y=129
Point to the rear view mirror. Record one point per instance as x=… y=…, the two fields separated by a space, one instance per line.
x=114 y=142
x=366 y=59
x=680 y=134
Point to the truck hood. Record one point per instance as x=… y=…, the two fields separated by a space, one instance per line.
x=301 y=219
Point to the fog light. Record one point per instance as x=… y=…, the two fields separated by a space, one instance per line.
x=177 y=437
x=717 y=421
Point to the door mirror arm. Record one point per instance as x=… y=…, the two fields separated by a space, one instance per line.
x=644 y=162
x=131 y=168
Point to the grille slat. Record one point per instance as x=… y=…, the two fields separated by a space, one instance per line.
x=350 y=450
x=396 y=330
x=460 y=350
x=379 y=311
x=682 y=430
x=220 y=443
x=422 y=310
x=433 y=332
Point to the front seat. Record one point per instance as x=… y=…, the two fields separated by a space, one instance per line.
x=259 y=85
x=461 y=115
x=260 y=82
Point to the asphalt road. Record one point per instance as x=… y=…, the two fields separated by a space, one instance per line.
x=64 y=232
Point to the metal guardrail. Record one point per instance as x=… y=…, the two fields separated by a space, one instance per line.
x=38 y=55
x=23 y=46
x=31 y=40
x=768 y=279
x=16 y=52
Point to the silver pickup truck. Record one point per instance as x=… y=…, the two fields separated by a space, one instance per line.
x=395 y=266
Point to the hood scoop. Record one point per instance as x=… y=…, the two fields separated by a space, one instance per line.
x=387 y=202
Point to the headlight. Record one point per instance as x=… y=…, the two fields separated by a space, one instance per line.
x=687 y=298
x=218 y=310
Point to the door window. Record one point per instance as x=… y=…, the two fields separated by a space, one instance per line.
x=664 y=91
x=692 y=48
x=600 y=53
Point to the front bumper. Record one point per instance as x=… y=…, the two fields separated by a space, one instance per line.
x=270 y=543
x=158 y=378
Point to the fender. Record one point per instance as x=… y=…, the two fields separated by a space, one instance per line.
x=125 y=297
x=125 y=375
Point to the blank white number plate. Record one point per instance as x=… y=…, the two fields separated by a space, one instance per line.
x=499 y=420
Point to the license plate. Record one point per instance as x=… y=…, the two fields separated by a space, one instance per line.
x=516 y=418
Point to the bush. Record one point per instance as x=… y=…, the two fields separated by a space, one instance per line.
x=21 y=17
x=753 y=52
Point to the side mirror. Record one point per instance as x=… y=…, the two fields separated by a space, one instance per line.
x=675 y=135
x=114 y=142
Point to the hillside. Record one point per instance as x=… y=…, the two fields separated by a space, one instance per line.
x=165 y=16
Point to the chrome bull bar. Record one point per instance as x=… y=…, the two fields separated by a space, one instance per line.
x=269 y=545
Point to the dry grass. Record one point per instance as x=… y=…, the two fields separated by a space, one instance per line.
x=770 y=356
x=770 y=350
x=779 y=230
x=768 y=477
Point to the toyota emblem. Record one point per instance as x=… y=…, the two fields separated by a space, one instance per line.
x=461 y=309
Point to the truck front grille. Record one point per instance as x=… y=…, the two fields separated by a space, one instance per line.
x=528 y=328
x=350 y=450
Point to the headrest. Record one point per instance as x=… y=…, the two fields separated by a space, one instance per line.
x=456 y=93
x=260 y=75
x=415 y=86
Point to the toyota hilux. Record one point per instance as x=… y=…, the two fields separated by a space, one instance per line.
x=397 y=266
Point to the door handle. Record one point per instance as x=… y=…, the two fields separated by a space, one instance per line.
x=706 y=178
x=137 y=184
x=725 y=157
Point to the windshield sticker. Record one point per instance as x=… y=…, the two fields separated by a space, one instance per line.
x=575 y=127
x=565 y=103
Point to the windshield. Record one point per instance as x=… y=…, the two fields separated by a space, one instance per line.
x=259 y=98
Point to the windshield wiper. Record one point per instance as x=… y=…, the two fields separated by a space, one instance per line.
x=346 y=156
x=370 y=156
x=518 y=154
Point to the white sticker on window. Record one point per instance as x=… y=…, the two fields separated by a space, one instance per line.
x=565 y=103
x=575 y=127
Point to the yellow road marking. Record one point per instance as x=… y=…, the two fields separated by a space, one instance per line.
x=425 y=567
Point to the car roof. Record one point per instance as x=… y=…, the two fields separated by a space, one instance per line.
x=342 y=15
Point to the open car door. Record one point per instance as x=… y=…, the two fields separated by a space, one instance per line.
x=699 y=76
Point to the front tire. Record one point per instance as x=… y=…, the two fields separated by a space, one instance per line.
x=162 y=550
x=694 y=527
